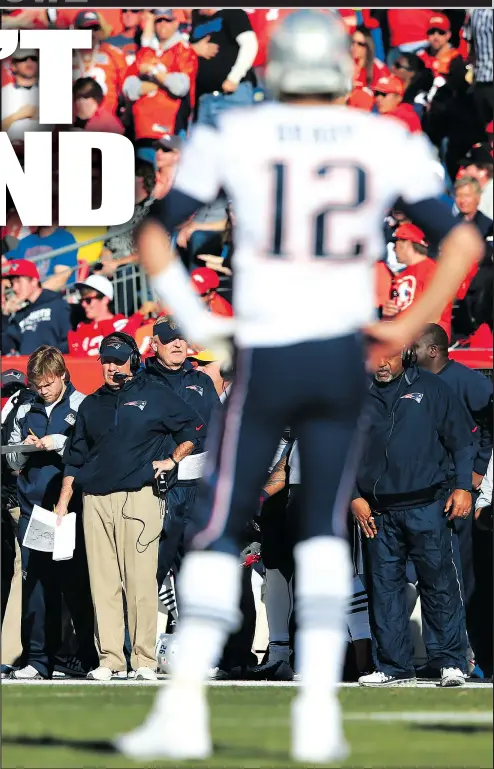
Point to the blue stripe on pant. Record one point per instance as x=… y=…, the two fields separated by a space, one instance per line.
x=425 y=536
x=316 y=387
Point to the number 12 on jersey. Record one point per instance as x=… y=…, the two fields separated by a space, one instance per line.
x=334 y=177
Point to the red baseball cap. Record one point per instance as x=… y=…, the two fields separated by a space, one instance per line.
x=439 y=21
x=204 y=279
x=390 y=84
x=410 y=232
x=20 y=268
x=361 y=98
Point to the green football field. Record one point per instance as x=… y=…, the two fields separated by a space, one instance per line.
x=71 y=726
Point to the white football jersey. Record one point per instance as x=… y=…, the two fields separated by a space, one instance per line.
x=310 y=187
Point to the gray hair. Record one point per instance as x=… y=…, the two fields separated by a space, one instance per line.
x=468 y=181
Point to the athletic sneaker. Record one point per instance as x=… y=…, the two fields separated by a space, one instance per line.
x=452 y=677
x=105 y=674
x=26 y=674
x=383 y=679
x=145 y=674
x=7 y=670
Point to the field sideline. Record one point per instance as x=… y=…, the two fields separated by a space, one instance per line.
x=62 y=724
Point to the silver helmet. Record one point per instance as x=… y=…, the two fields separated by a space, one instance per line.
x=309 y=53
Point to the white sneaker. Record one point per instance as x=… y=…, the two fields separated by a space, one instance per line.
x=145 y=674
x=383 y=679
x=26 y=674
x=452 y=677
x=105 y=674
x=317 y=735
x=177 y=728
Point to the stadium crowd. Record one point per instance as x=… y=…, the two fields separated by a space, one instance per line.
x=151 y=75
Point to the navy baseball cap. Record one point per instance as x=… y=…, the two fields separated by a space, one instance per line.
x=13 y=378
x=116 y=349
x=163 y=13
x=166 y=329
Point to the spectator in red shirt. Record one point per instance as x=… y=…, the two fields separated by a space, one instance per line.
x=96 y=295
x=439 y=53
x=368 y=69
x=388 y=93
x=206 y=282
x=411 y=249
x=103 y=62
x=89 y=114
x=160 y=80
x=408 y=30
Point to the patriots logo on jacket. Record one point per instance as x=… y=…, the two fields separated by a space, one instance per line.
x=70 y=418
x=198 y=389
x=413 y=396
x=139 y=404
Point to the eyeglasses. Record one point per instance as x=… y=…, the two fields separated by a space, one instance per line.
x=436 y=31
x=164 y=18
x=27 y=58
x=398 y=65
x=131 y=10
x=359 y=43
x=379 y=93
x=89 y=299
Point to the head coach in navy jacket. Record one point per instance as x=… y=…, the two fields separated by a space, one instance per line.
x=406 y=499
x=118 y=448
x=46 y=420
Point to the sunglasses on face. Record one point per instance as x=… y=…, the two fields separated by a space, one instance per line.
x=27 y=58
x=379 y=93
x=130 y=10
x=398 y=65
x=435 y=31
x=359 y=43
x=88 y=299
x=163 y=18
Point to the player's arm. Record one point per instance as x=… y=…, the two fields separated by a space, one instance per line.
x=198 y=182
x=461 y=247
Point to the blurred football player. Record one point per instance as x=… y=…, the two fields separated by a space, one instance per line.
x=311 y=181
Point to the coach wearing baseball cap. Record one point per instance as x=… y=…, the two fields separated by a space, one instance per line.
x=170 y=367
x=119 y=447
x=43 y=316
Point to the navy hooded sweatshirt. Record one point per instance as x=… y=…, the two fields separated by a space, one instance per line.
x=45 y=321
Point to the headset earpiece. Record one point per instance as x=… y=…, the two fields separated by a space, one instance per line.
x=408 y=357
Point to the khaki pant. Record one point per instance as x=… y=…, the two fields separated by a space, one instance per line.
x=11 y=626
x=117 y=530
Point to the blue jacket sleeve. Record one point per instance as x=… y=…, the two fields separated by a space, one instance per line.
x=456 y=430
x=10 y=336
x=76 y=450
x=478 y=396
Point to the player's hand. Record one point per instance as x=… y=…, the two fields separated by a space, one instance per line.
x=476 y=480
x=363 y=515
x=45 y=443
x=385 y=338
x=459 y=503
x=60 y=511
x=228 y=86
x=390 y=309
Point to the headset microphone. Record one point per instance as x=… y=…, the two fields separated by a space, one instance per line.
x=118 y=377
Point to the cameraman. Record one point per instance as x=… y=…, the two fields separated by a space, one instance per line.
x=117 y=451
